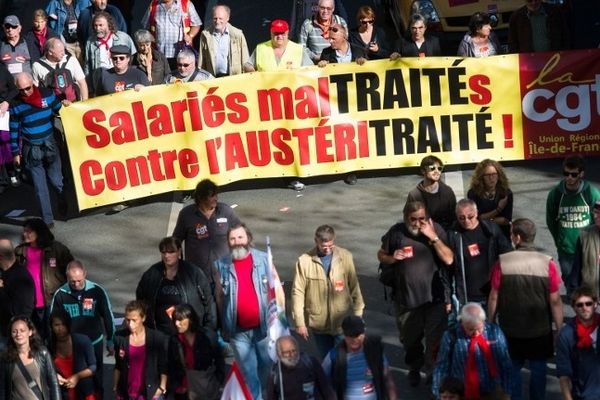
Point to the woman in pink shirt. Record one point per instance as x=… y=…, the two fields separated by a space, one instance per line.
x=46 y=260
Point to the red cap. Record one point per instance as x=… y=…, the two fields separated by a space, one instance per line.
x=279 y=26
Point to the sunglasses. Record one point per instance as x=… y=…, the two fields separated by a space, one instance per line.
x=119 y=58
x=366 y=21
x=8 y=26
x=184 y=65
x=584 y=303
x=326 y=8
x=26 y=89
x=571 y=174
x=432 y=168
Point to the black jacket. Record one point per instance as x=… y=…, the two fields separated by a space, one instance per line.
x=17 y=296
x=156 y=362
x=49 y=379
x=193 y=285
x=328 y=54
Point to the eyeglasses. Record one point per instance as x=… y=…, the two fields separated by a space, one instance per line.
x=584 y=303
x=366 y=21
x=465 y=217
x=8 y=26
x=335 y=29
x=571 y=174
x=184 y=65
x=325 y=8
x=432 y=168
x=118 y=58
x=25 y=89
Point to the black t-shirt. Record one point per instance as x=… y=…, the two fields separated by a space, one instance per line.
x=167 y=298
x=477 y=270
x=111 y=82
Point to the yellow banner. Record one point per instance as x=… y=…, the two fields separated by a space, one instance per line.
x=313 y=121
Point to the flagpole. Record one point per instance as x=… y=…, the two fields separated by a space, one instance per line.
x=282 y=396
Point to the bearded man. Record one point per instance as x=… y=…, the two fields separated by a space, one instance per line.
x=297 y=374
x=243 y=276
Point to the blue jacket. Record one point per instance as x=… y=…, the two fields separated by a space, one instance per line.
x=579 y=365
x=229 y=282
x=57 y=13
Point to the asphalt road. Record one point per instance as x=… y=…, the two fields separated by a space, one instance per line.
x=118 y=248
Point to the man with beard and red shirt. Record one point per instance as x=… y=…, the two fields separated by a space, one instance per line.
x=243 y=275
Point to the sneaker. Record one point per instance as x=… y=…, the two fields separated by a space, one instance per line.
x=119 y=207
x=296 y=185
x=414 y=378
x=351 y=179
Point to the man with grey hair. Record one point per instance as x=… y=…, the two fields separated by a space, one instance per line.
x=528 y=281
x=223 y=47
x=475 y=352
x=296 y=372
x=53 y=65
x=315 y=31
x=476 y=245
x=187 y=70
x=341 y=50
x=89 y=307
x=17 y=290
x=324 y=291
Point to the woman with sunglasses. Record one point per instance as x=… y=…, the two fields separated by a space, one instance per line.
x=140 y=362
x=367 y=35
x=46 y=260
x=27 y=372
x=491 y=192
x=196 y=365
x=74 y=358
x=439 y=198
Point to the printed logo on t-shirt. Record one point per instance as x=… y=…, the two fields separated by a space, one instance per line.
x=88 y=303
x=52 y=262
x=473 y=249
x=120 y=86
x=201 y=231
x=221 y=221
x=338 y=285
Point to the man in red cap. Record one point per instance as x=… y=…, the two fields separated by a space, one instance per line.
x=279 y=53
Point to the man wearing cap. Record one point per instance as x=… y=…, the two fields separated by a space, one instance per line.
x=174 y=23
x=324 y=291
x=223 y=47
x=315 y=31
x=357 y=366
x=98 y=46
x=31 y=123
x=187 y=70
x=15 y=52
x=121 y=76
x=279 y=53
x=587 y=255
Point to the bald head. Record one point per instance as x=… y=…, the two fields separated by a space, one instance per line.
x=23 y=79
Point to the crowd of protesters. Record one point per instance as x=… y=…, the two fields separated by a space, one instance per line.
x=447 y=261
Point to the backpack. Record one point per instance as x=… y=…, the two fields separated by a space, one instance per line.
x=62 y=82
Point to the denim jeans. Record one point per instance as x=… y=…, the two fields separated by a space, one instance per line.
x=566 y=262
x=43 y=167
x=325 y=343
x=251 y=352
x=537 y=380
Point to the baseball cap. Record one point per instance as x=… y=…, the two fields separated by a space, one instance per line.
x=12 y=20
x=353 y=325
x=279 y=26
x=120 y=49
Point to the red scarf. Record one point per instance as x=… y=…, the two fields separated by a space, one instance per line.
x=471 y=372
x=41 y=37
x=325 y=26
x=104 y=42
x=584 y=333
x=35 y=98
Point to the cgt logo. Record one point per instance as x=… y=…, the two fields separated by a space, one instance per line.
x=561 y=95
